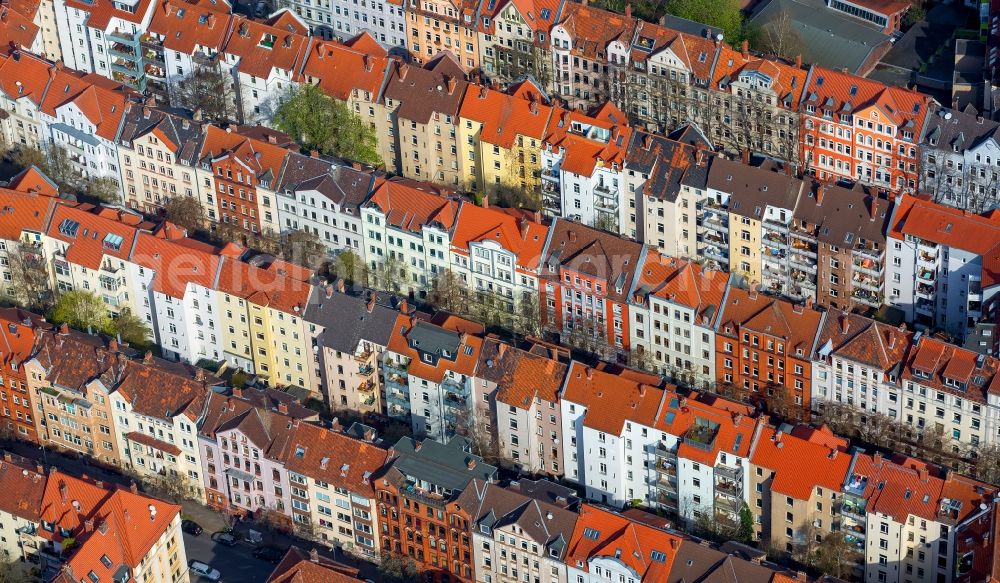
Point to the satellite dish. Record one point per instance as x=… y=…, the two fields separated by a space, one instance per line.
x=718 y=37
x=947 y=115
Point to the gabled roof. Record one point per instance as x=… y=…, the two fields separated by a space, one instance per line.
x=180 y=133
x=513 y=231
x=611 y=399
x=349 y=319
x=854 y=337
x=649 y=552
x=18 y=28
x=340 y=69
x=451 y=466
x=593 y=29
x=733 y=432
x=787 y=82
x=505 y=117
x=408 y=207
x=685 y=283
x=103 y=12
x=263 y=158
x=33 y=180
x=800 y=465
x=754 y=188
x=945 y=225
x=275 y=284
x=24 y=212
x=843 y=93
x=262 y=48
x=176 y=265
x=844 y=217
x=301 y=567
x=187 y=28
x=93 y=233
x=599 y=254
x=951 y=369
x=584 y=152
x=411 y=335
x=437 y=87
x=334 y=458
x=521 y=376
x=755 y=312
x=100 y=100
x=23 y=488
x=269 y=429
x=697 y=53
x=141 y=384
x=23 y=75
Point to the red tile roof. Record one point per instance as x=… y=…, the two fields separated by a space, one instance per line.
x=695 y=52
x=593 y=29
x=24 y=76
x=175 y=265
x=471 y=342
x=787 y=81
x=522 y=236
x=262 y=48
x=407 y=206
x=863 y=340
x=521 y=376
x=505 y=117
x=17 y=28
x=800 y=465
x=23 y=489
x=341 y=70
x=300 y=567
x=603 y=534
x=843 y=92
x=757 y=312
x=583 y=153
x=33 y=180
x=103 y=11
x=261 y=157
x=683 y=282
x=931 y=361
x=334 y=458
x=271 y=286
x=733 y=431
x=21 y=212
x=945 y=225
x=611 y=399
x=187 y=28
x=148 y=440
x=96 y=235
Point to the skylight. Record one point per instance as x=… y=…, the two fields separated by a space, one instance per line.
x=112 y=241
x=69 y=227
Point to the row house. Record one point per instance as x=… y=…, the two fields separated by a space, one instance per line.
x=514 y=39
x=795 y=481
x=298 y=564
x=332 y=481
x=421 y=514
x=244 y=437
x=265 y=60
x=105 y=39
x=19 y=334
x=837 y=247
x=496 y=254
x=589 y=46
x=606 y=414
x=938 y=272
x=349 y=334
x=947 y=391
x=665 y=188
x=500 y=138
x=157 y=431
x=763 y=350
x=183 y=39
x=408 y=228
x=21 y=511
x=88 y=530
x=443 y=27
x=421 y=106
x=861 y=130
x=915 y=522
x=521 y=530
x=609 y=546
x=323 y=198
x=429 y=369
x=158 y=156
x=588 y=277
x=24 y=81
x=859 y=362
x=516 y=391
x=673 y=316
x=582 y=165
x=31 y=26
x=383 y=21
x=960 y=159
x=239 y=174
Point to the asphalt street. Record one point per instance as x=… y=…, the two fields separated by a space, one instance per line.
x=236 y=564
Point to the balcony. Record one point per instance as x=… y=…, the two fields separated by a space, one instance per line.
x=926 y=258
x=775 y=241
x=804 y=248
x=866 y=252
x=867 y=297
x=776 y=225
x=667 y=500
x=866 y=282
x=701 y=436
x=121 y=36
x=204 y=59
x=734 y=474
x=925 y=307
x=602 y=189
x=868 y=266
x=774 y=255
x=366 y=370
x=925 y=275
x=398 y=412
x=925 y=291
x=728 y=504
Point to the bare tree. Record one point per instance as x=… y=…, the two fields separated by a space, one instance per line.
x=448 y=292
x=208 y=90
x=527 y=320
x=391 y=275
x=186 y=212
x=779 y=38
x=836 y=556
x=30 y=286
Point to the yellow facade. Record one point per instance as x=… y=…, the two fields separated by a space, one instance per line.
x=745 y=247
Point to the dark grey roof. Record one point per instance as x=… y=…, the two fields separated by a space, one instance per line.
x=667 y=161
x=753 y=187
x=967 y=129
x=347 y=319
x=434 y=339
x=689 y=26
x=842 y=217
x=176 y=124
x=697 y=562
x=344 y=185
x=444 y=465
x=828 y=37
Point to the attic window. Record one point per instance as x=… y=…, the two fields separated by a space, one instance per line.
x=106 y=561
x=93 y=577
x=658 y=556
x=69 y=227
x=468 y=351
x=113 y=242
x=267 y=40
x=300 y=452
x=591 y=534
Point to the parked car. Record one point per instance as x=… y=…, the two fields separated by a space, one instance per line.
x=191 y=527
x=203 y=570
x=224 y=538
x=269 y=553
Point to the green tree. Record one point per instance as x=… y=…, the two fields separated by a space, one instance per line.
x=81 y=310
x=318 y=122
x=105 y=189
x=745 y=532
x=724 y=14
x=131 y=329
x=351 y=268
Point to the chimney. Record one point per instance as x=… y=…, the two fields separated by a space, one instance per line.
x=403 y=307
x=590 y=374
x=133 y=487
x=833 y=453
x=486 y=201
x=328 y=290
x=533 y=107
x=148 y=357
x=113 y=345
x=752 y=293
x=146 y=112
x=197 y=115
x=199 y=374
x=482 y=92
x=370 y=306
x=63 y=492
x=628 y=10
x=572 y=236
x=450 y=84
x=314 y=153
x=272 y=139
x=647 y=141
x=922 y=474
x=314 y=555
x=7 y=457
x=745 y=156
x=471 y=464
x=877 y=460
x=699 y=157
x=368 y=63
x=845 y=323
x=39 y=469
x=745 y=49
x=873 y=208
x=892 y=340
x=523 y=223
x=402 y=68
x=283 y=408
x=238 y=392
x=417 y=445
x=335 y=425
x=798 y=61
x=211 y=21
x=88 y=526
x=64 y=328
x=798 y=308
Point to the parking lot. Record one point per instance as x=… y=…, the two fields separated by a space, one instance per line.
x=236 y=564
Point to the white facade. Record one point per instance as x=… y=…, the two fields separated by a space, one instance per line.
x=92 y=155
x=345 y=19
x=422 y=254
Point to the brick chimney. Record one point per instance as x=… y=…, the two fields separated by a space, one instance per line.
x=402 y=69
x=238 y=392
x=628 y=10
x=486 y=201
x=64 y=328
x=404 y=307
x=133 y=487
x=147 y=358
x=798 y=61
x=340 y=285
x=745 y=50
x=283 y=408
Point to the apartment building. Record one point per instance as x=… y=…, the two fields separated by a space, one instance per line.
x=183 y=39
x=514 y=40
x=407 y=232
x=600 y=409
x=436 y=27
x=422 y=106
x=837 y=247
x=588 y=46
x=763 y=347
x=587 y=278
x=516 y=392
x=24 y=79
x=20 y=332
x=243 y=438
x=158 y=156
x=384 y=21
x=673 y=318
x=796 y=479
x=429 y=369
x=664 y=184
x=420 y=515
x=349 y=334
x=935 y=268
x=959 y=155
x=265 y=59
x=584 y=156
x=157 y=431
x=21 y=509
x=859 y=362
x=497 y=254
x=243 y=171
x=520 y=530
x=500 y=138
x=331 y=476
x=862 y=130
x=324 y=198
x=606 y=546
